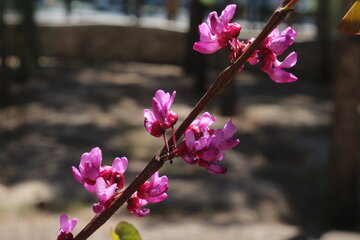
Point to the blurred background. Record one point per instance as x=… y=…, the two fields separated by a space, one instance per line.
x=78 y=74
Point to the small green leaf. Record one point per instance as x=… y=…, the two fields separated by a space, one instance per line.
x=126 y=231
x=114 y=236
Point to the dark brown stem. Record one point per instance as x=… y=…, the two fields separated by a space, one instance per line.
x=158 y=160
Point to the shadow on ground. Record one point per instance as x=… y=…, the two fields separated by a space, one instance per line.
x=276 y=174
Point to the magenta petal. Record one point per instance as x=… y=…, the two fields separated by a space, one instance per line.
x=205 y=33
x=105 y=194
x=277 y=45
x=210 y=154
x=77 y=175
x=120 y=164
x=206 y=47
x=281 y=76
x=204 y=121
x=215 y=168
x=157 y=199
x=228 y=13
x=288 y=62
x=275 y=32
x=171 y=100
x=85 y=157
x=141 y=212
x=229 y=144
x=216 y=27
x=149 y=115
x=100 y=185
x=190 y=159
x=64 y=223
x=98 y=208
x=96 y=157
x=91 y=171
x=73 y=224
x=289 y=31
x=90 y=188
x=190 y=139
x=158 y=110
x=229 y=129
x=154 y=179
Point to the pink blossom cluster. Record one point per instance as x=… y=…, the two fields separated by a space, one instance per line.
x=217 y=31
x=152 y=191
x=214 y=35
x=204 y=146
x=161 y=118
x=107 y=181
x=104 y=181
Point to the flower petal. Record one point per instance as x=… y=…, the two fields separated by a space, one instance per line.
x=281 y=76
x=120 y=164
x=77 y=175
x=215 y=168
x=64 y=223
x=228 y=13
x=288 y=62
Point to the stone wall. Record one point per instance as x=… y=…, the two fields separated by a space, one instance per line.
x=99 y=43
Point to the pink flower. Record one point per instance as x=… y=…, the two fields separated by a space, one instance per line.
x=278 y=43
x=154 y=191
x=160 y=119
x=217 y=31
x=66 y=227
x=112 y=174
x=136 y=207
x=149 y=192
x=89 y=167
x=105 y=195
x=206 y=148
x=202 y=123
x=238 y=47
x=275 y=68
x=274 y=45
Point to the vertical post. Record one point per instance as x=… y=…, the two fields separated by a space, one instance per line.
x=324 y=40
x=345 y=140
x=4 y=81
x=195 y=63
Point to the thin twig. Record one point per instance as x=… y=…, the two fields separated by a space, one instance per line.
x=158 y=160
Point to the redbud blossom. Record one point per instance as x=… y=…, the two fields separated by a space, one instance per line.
x=66 y=227
x=274 y=45
x=105 y=195
x=160 y=119
x=154 y=191
x=136 y=207
x=109 y=179
x=217 y=31
x=89 y=167
x=149 y=192
x=206 y=147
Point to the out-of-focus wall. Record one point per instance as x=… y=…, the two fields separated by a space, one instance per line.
x=100 y=43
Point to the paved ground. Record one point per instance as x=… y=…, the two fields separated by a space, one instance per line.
x=274 y=189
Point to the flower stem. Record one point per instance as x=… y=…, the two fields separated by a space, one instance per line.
x=158 y=160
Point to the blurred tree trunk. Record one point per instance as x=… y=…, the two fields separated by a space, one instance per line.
x=324 y=40
x=138 y=4
x=29 y=46
x=345 y=143
x=4 y=81
x=68 y=8
x=195 y=63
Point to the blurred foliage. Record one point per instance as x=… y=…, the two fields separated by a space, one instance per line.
x=125 y=231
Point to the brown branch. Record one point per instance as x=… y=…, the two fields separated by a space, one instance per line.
x=158 y=160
